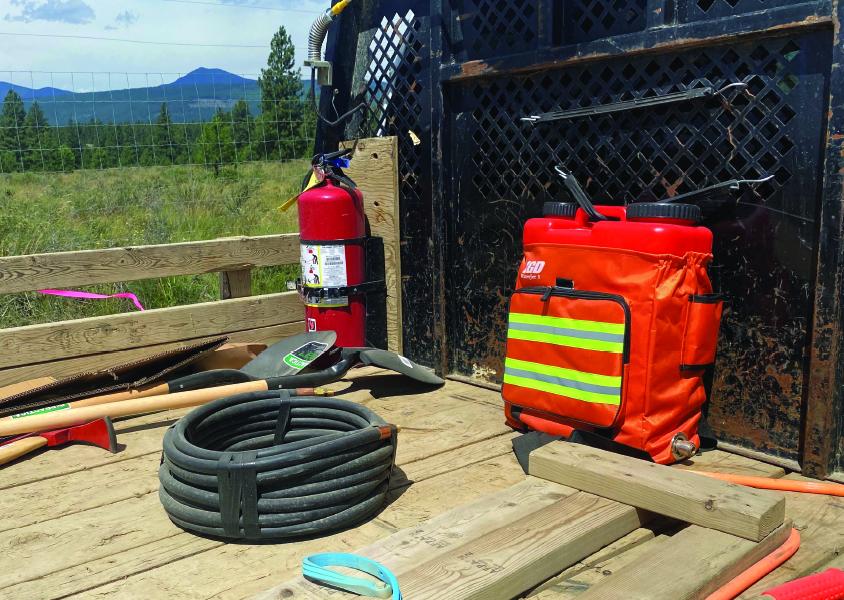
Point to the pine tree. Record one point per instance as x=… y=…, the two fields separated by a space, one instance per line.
x=162 y=136
x=11 y=134
x=242 y=127
x=38 y=148
x=281 y=96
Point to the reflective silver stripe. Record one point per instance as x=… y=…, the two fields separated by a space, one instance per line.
x=575 y=333
x=569 y=383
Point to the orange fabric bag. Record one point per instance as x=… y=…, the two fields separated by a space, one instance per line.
x=621 y=352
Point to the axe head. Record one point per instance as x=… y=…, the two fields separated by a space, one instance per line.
x=99 y=433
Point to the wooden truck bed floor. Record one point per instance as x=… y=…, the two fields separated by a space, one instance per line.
x=79 y=522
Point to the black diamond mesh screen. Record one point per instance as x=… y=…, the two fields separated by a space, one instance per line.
x=396 y=79
x=504 y=172
x=585 y=20
x=496 y=27
x=699 y=10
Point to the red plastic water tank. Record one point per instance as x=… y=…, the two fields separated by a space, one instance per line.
x=651 y=234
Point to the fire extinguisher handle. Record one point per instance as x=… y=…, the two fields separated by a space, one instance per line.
x=579 y=195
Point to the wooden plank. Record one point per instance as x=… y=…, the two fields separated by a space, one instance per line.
x=236 y=284
x=737 y=510
x=52 y=341
x=819 y=519
x=89 y=267
x=445 y=532
x=521 y=554
x=576 y=580
x=578 y=577
x=64 y=368
x=691 y=564
x=375 y=170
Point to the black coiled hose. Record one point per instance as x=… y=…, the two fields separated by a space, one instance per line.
x=271 y=465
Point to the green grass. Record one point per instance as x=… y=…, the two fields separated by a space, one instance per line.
x=139 y=206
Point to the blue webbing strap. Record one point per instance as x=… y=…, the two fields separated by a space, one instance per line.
x=314 y=568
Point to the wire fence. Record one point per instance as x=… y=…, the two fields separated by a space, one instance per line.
x=59 y=122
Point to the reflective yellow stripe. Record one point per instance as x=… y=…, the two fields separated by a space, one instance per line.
x=564 y=340
x=561 y=390
x=591 y=378
x=579 y=324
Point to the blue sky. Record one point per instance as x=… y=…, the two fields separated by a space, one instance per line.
x=38 y=59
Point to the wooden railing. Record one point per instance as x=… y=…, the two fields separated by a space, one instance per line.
x=64 y=348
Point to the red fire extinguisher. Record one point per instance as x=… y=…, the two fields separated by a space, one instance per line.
x=332 y=235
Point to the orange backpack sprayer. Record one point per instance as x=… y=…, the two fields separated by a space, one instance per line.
x=613 y=323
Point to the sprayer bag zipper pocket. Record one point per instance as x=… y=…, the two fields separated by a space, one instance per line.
x=567 y=353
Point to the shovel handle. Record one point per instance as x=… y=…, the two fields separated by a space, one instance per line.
x=140 y=406
x=155 y=390
x=10 y=452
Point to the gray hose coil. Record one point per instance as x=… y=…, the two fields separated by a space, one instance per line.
x=268 y=465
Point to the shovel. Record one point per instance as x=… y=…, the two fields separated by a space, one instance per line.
x=99 y=433
x=347 y=358
x=282 y=359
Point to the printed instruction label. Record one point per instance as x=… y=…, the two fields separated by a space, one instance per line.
x=324 y=266
x=41 y=411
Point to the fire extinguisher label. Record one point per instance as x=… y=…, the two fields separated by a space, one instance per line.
x=324 y=266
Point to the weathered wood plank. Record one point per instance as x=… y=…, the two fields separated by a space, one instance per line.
x=89 y=267
x=375 y=170
x=52 y=341
x=576 y=580
x=579 y=577
x=737 y=510
x=690 y=564
x=64 y=368
x=235 y=284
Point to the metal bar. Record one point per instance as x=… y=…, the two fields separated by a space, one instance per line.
x=591 y=111
x=811 y=14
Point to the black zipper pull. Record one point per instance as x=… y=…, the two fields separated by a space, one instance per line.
x=547 y=294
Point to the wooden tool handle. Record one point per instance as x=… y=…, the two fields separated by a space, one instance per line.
x=75 y=416
x=155 y=390
x=10 y=452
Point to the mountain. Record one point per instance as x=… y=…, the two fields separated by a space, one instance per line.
x=204 y=76
x=30 y=93
x=192 y=98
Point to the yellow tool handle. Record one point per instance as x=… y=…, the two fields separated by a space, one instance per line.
x=10 y=452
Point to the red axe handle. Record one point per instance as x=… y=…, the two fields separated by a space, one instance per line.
x=99 y=433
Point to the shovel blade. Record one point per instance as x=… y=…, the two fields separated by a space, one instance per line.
x=290 y=355
x=395 y=362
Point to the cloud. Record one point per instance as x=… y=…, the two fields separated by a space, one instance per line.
x=123 y=20
x=75 y=12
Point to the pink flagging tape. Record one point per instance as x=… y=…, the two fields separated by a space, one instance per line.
x=90 y=296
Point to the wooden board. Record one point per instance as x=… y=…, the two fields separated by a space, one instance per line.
x=736 y=510
x=518 y=540
x=690 y=564
x=374 y=168
x=52 y=341
x=89 y=267
x=235 y=284
x=82 y=364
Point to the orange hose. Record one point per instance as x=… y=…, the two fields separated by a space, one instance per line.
x=783 y=485
x=748 y=577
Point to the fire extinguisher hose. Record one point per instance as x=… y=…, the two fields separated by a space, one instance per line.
x=270 y=465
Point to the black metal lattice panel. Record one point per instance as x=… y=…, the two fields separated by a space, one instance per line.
x=496 y=27
x=705 y=10
x=396 y=82
x=578 y=21
x=765 y=248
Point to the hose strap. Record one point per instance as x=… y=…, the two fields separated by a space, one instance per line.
x=238 y=493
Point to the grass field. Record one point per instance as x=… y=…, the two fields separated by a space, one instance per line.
x=137 y=206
